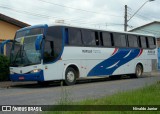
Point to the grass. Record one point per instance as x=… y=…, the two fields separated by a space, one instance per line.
x=149 y=95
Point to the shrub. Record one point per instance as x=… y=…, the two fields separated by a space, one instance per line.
x=4 y=68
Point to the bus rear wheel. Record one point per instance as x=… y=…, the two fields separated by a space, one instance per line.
x=138 y=71
x=70 y=76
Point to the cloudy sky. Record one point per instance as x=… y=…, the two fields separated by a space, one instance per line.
x=104 y=14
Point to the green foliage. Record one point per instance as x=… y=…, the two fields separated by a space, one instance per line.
x=148 y=95
x=4 y=68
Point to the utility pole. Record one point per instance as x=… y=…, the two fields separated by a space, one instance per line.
x=125 y=14
x=125 y=19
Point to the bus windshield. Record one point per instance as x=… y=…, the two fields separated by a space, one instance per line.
x=23 y=51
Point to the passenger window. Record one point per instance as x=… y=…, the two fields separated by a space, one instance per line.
x=88 y=38
x=119 y=40
x=132 y=41
x=143 y=42
x=74 y=36
x=151 y=42
x=106 y=37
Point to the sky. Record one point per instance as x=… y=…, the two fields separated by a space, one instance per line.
x=102 y=14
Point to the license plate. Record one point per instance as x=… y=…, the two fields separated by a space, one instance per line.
x=21 y=78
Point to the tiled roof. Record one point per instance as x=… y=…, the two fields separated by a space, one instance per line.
x=13 y=21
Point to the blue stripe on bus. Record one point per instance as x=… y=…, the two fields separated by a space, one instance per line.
x=28 y=77
x=108 y=66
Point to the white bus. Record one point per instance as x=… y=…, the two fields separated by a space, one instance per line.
x=52 y=53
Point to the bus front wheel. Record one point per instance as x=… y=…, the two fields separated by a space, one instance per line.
x=70 y=76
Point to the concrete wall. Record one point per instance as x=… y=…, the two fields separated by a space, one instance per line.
x=7 y=30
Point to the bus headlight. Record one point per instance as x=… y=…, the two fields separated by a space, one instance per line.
x=11 y=72
x=35 y=70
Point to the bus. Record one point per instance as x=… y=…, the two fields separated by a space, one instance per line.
x=66 y=53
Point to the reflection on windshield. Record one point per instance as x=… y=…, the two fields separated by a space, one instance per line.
x=24 y=52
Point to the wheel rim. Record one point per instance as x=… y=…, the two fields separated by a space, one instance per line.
x=70 y=76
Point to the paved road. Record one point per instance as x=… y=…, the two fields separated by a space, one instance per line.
x=32 y=94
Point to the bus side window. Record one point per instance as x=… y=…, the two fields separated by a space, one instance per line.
x=119 y=40
x=133 y=41
x=143 y=42
x=106 y=37
x=151 y=41
x=74 y=37
x=88 y=37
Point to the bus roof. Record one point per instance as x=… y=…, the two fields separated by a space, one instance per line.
x=65 y=25
x=132 y=33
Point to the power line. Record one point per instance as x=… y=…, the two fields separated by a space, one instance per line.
x=79 y=9
x=138 y=14
x=45 y=16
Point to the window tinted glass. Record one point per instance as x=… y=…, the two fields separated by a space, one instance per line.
x=88 y=38
x=34 y=31
x=143 y=42
x=74 y=36
x=53 y=44
x=106 y=39
x=119 y=40
x=151 y=42
x=132 y=41
x=97 y=38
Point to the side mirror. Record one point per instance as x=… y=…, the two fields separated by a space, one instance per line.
x=38 y=42
x=2 y=46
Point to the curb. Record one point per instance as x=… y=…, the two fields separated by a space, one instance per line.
x=8 y=84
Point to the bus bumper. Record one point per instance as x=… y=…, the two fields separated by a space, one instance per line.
x=28 y=77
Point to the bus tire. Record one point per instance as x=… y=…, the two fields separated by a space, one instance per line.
x=138 y=71
x=70 y=76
